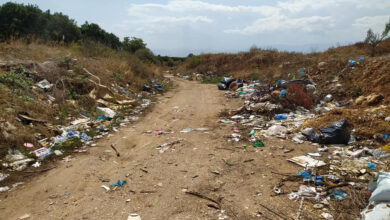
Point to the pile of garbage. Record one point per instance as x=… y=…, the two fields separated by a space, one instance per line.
x=341 y=166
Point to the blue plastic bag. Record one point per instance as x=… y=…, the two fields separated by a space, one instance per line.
x=280 y=117
x=371 y=166
x=283 y=93
x=72 y=134
x=85 y=137
x=351 y=63
x=119 y=183
x=304 y=174
x=339 y=194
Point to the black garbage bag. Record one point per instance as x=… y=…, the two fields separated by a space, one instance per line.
x=227 y=81
x=336 y=133
x=222 y=86
x=146 y=88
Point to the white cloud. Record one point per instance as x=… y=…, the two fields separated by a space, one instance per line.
x=181 y=19
x=194 y=24
x=198 y=6
x=376 y=23
x=373 y=4
x=275 y=23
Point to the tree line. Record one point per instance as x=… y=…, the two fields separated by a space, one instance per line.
x=28 y=22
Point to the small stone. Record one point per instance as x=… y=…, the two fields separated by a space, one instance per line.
x=318 y=206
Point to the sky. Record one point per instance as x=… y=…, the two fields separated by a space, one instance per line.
x=180 y=27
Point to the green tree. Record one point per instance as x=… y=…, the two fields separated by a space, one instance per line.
x=374 y=39
x=95 y=33
x=146 y=55
x=133 y=45
x=61 y=28
x=17 y=20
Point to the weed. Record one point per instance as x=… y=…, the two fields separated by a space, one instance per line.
x=356 y=91
x=62 y=113
x=255 y=76
x=195 y=61
x=26 y=98
x=16 y=79
x=66 y=63
x=211 y=79
x=116 y=76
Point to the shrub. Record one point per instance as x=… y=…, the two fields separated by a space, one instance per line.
x=374 y=39
x=16 y=79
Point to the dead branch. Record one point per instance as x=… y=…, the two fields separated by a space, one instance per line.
x=274 y=212
x=116 y=151
x=204 y=197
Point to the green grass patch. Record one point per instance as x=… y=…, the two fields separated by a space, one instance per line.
x=212 y=80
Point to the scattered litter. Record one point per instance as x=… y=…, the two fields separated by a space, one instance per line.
x=134 y=216
x=58 y=153
x=42 y=152
x=371 y=166
x=258 y=144
x=3 y=189
x=327 y=216
x=106 y=112
x=67 y=159
x=306 y=161
x=186 y=130
x=318 y=206
x=339 y=194
x=227 y=121
x=105 y=187
x=44 y=84
x=163 y=147
x=119 y=183
x=36 y=164
x=299 y=138
x=202 y=129
x=314 y=154
x=276 y=130
x=280 y=117
x=158 y=132
x=28 y=145
x=3 y=176
x=25 y=216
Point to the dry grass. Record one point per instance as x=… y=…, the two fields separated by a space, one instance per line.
x=271 y=64
x=63 y=66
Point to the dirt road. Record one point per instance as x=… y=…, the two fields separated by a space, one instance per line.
x=238 y=179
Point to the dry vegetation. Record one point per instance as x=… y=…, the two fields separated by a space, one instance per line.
x=22 y=65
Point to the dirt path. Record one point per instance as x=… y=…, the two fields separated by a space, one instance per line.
x=156 y=182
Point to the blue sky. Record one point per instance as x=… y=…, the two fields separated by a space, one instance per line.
x=180 y=27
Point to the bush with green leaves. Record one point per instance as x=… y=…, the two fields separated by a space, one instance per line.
x=16 y=80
